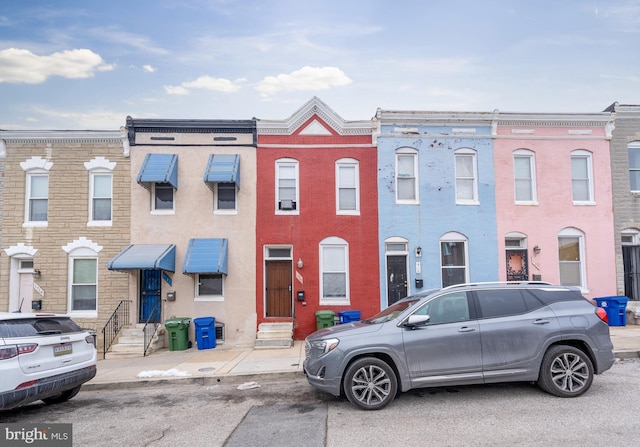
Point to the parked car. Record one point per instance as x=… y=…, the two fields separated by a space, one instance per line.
x=465 y=334
x=43 y=357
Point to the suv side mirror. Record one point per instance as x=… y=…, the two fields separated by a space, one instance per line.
x=416 y=320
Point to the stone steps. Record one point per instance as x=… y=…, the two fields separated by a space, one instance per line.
x=130 y=342
x=274 y=335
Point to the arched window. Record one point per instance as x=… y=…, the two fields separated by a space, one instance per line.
x=453 y=259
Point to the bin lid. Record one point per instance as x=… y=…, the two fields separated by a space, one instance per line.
x=203 y=321
x=177 y=320
x=325 y=313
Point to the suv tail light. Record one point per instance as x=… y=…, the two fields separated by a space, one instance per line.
x=602 y=314
x=9 y=352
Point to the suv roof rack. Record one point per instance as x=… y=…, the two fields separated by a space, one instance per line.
x=498 y=283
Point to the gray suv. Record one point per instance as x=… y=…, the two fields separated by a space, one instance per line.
x=461 y=335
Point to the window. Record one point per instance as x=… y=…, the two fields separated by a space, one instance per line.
x=448 y=308
x=334 y=280
x=453 y=256
x=210 y=284
x=524 y=176
x=466 y=177
x=503 y=302
x=36 y=190
x=406 y=176
x=101 y=193
x=84 y=284
x=225 y=197
x=38 y=194
x=162 y=197
x=634 y=166
x=570 y=256
x=581 y=176
x=287 y=186
x=100 y=190
x=347 y=186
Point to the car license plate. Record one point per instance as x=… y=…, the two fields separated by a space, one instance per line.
x=62 y=349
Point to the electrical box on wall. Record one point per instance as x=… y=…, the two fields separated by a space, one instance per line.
x=36 y=305
x=300 y=295
x=419 y=283
x=171 y=296
x=537 y=277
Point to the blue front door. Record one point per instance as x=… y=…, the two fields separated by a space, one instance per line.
x=150 y=301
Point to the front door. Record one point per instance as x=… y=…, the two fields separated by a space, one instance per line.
x=278 y=291
x=517 y=265
x=150 y=301
x=631 y=261
x=26 y=292
x=396 y=278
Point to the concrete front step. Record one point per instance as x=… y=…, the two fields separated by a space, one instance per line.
x=274 y=335
x=274 y=343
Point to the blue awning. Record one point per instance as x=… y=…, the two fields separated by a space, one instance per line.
x=145 y=257
x=159 y=168
x=206 y=256
x=223 y=168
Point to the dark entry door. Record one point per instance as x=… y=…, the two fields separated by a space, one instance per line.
x=278 y=289
x=396 y=278
x=631 y=261
x=150 y=296
x=517 y=265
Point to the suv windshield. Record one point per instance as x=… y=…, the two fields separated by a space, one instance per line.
x=392 y=311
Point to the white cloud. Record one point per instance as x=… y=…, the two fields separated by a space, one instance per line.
x=149 y=69
x=307 y=78
x=206 y=83
x=94 y=119
x=22 y=66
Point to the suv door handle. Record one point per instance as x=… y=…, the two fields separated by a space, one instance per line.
x=466 y=329
x=541 y=321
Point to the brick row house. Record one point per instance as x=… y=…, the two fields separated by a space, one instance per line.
x=65 y=211
x=317 y=218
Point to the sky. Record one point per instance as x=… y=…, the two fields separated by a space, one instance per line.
x=88 y=64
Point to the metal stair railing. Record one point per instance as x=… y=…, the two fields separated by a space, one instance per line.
x=118 y=319
x=150 y=328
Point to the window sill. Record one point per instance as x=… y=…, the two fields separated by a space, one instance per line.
x=533 y=203
x=347 y=213
x=334 y=302
x=584 y=203
x=163 y=212
x=407 y=202
x=225 y=212
x=210 y=299
x=83 y=314
x=35 y=224
x=287 y=213
x=99 y=223
x=468 y=203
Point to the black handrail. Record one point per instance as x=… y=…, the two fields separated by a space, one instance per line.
x=118 y=319
x=148 y=334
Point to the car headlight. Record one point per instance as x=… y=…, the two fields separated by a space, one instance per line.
x=325 y=346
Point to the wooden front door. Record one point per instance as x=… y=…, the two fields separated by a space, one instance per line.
x=278 y=290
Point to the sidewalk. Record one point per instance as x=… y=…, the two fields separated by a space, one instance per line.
x=241 y=365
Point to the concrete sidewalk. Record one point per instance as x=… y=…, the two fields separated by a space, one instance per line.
x=238 y=365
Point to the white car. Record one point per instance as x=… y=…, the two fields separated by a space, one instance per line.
x=43 y=357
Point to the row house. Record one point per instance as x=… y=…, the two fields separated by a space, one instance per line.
x=625 y=169
x=193 y=219
x=436 y=201
x=554 y=200
x=317 y=218
x=65 y=213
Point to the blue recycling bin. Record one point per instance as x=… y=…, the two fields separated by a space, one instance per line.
x=616 y=308
x=349 y=316
x=205 y=332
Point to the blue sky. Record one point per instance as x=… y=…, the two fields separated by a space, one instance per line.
x=87 y=64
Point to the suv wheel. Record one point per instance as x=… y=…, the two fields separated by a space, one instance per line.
x=62 y=397
x=370 y=383
x=565 y=372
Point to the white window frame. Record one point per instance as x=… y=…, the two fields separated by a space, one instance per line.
x=588 y=157
x=579 y=235
x=155 y=210
x=453 y=236
x=530 y=156
x=35 y=166
x=333 y=243
x=413 y=154
x=348 y=163
x=288 y=163
x=213 y=298
x=216 y=209
x=99 y=166
x=466 y=152
x=634 y=146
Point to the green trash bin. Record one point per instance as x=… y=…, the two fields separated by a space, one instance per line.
x=178 y=331
x=324 y=318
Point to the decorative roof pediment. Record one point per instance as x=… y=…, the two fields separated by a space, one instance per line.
x=326 y=120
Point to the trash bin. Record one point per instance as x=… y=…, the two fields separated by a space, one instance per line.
x=178 y=331
x=349 y=316
x=324 y=318
x=205 y=332
x=616 y=308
